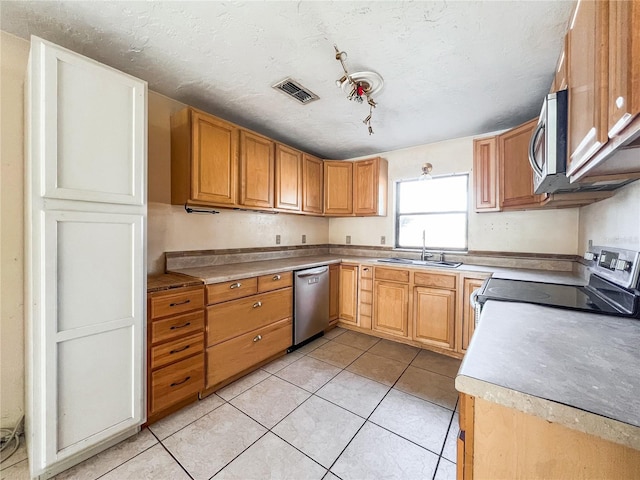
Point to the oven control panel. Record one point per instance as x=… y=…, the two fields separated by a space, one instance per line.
x=617 y=265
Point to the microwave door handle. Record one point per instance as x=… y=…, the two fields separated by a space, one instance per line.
x=532 y=153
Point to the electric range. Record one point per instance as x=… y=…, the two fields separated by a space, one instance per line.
x=612 y=288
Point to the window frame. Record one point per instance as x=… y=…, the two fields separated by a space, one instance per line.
x=465 y=249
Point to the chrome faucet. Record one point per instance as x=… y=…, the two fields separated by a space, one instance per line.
x=441 y=259
x=424 y=254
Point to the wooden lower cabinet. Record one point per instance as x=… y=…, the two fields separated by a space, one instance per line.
x=248 y=322
x=334 y=294
x=348 y=304
x=365 y=297
x=175 y=349
x=391 y=300
x=241 y=353
x=434 y=316
x=468 y=326
x=504 y=443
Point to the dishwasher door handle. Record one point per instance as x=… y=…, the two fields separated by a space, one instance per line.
x=311 y=273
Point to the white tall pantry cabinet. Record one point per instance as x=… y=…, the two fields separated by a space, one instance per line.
x=85 y=190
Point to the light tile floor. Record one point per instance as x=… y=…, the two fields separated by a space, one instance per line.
x=347 y=406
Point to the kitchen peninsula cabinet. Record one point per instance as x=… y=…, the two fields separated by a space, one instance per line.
x=312 y=184
x=257 y=161
x=288 y=188
x=434 y=312
x=338 y=188
x=370 y=187
x=348 y=303
x=502 y=442
x=175 y=346
x=204 y=159
x=249 y=322
x=391 y=301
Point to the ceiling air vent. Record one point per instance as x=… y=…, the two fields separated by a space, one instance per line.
x=296 y=91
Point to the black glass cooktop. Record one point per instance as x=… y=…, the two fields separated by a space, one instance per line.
x=599 y=296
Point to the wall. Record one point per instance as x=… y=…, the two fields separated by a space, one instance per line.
x=536 y=231
x=614 y=222
x=170 y=228
x=14 y=53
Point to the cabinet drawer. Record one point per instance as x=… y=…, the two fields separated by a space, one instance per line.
x=176 y=301
x=230 y=319
x=241 y=353
x=392 y=274
x=366 y=272
x=179 y=325
x=176 y=350
x=435 y=280
x=222 y=292
x=176 y=382
x=267 y=283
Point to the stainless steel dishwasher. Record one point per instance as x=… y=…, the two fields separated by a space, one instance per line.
x=311 y=303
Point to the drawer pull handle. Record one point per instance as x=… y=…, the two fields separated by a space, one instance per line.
x=179 y=350
x=365 y=269
x=180 y=303
x=235 y=285
x=175 y=384
x=257 y=338
x=276 y=277
x=257 y=304
x=175 y=327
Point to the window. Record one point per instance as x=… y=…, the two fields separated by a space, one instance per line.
x=437 y=207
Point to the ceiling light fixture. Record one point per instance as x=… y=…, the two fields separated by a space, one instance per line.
x=359 y=85
x=426 y=172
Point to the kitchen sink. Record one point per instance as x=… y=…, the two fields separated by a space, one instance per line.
x=425 y=263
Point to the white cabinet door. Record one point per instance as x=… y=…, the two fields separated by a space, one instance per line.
x=93 y=311
x=89 y=122
x=85 y=231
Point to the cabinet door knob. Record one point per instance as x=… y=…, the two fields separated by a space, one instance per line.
x=257 y=338
x=257 y=304
x=179 y=303
x=365 y=269
x=235 y=285
x=175 y=384
x=276 y=277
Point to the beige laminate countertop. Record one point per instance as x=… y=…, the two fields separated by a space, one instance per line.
x=168 y=281
x=237 y=271
x=579 y=369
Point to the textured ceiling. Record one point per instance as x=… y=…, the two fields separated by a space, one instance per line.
x=451 y=68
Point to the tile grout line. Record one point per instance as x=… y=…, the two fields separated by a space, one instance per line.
x=446 y=436
x=126 y=461
x=172 y=456
x=190 y=423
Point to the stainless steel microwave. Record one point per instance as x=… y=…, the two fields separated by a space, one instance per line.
x=548 y=146
x=548 y=152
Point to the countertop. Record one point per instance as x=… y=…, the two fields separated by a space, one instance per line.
x=237 y=271
x=167 y=281
x=578 y=369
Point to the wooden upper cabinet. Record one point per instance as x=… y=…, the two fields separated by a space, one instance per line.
x=560 y=80
x=516 y=175
x=587 y=63
x=257 y=160
x=485 y=174
x=288 y=178
x=370 y=187
x=624 y=64
x=204 y=159
x=312 y=183
x=338 y=187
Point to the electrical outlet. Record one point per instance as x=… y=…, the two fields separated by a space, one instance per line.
x=383 y=240
x=277 y=239
x=348 y=240
x=304 y=239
